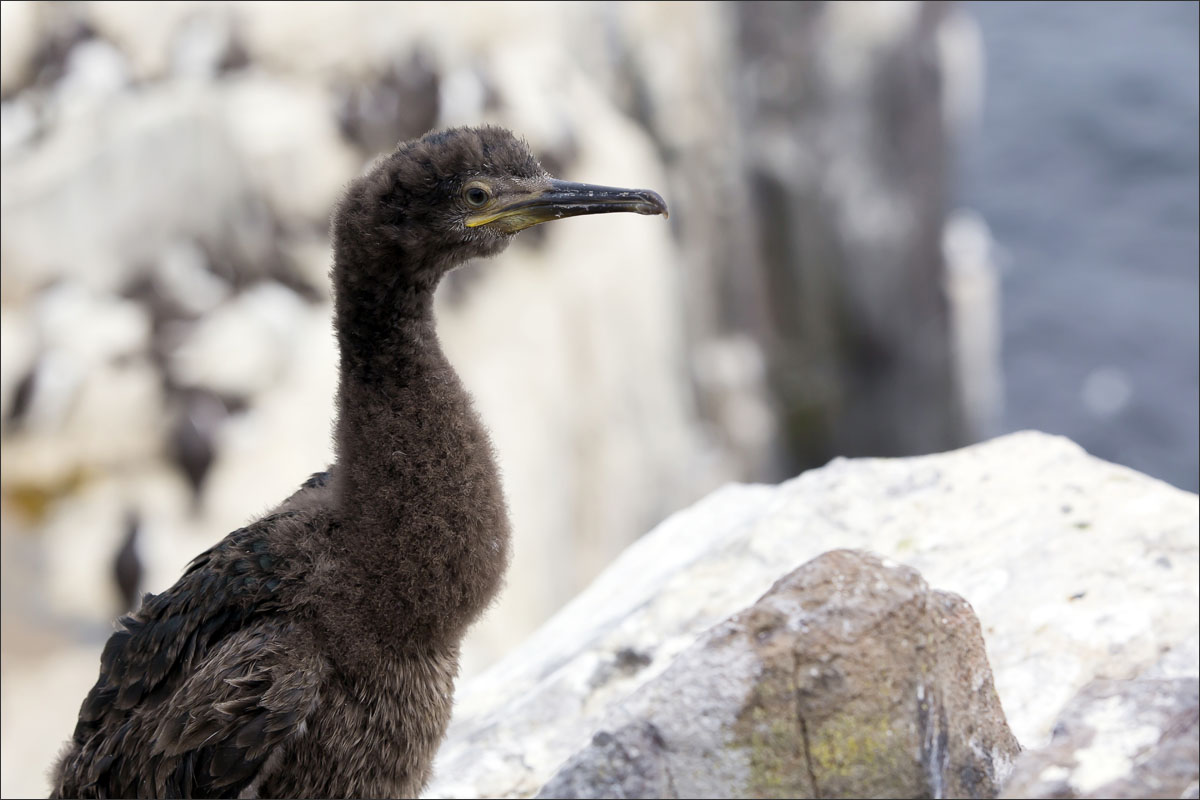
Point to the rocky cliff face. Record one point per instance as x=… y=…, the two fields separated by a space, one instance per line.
x=167 y=351
x=167 y=365
x=1076 y=570
x=1119 y=738
x=167 y=179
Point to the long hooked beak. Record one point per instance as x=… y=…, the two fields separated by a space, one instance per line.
x=562 y=199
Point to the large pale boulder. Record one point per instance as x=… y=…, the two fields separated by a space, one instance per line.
x=1076 y=568
x=1120 y=739
x=850 y=678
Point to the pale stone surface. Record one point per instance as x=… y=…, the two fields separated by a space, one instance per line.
x=35 y=736
x=18 y=25
x=96 y=72
x=641 y=397
x=604 y=355
x=123 y=180
x=550 y=339
x=1076 y=568
x=1120 y=739
x=288 y=143
x=265 y=453
x=972 y=285
x=209 y=180
x=589 y=457
x=849 y=678
x=847 y=144
x=244 y=345
x=17 y=351
x=93 y=401
x=186 y=278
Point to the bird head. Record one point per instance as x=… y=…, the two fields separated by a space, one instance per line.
x=463 y=193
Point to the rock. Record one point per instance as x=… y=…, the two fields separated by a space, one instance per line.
x=193 y=194
x=398 y=104
x=806 y=148
x=847 y=153
x=288 y=142
x=96 y=72
x=79 y=587
x=675 y=69
x=183 y=279
x=91 y=398
x=623 y=390
x=18 y=351
x=972 y=286
x=56 y=678
x=18 y=123
x=88 y=327
x=1120 y=739
x=734 y=395
x=630 y=763
x=214 y=164
x=849 y=678
x=275 y=443
x=661 y=336
x=206 y=44
x=164 y=170
x=243 y=346
x=18 y=40
x=1076 y=568
x=606 y=440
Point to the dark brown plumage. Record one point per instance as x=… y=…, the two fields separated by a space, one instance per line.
x=313 y=652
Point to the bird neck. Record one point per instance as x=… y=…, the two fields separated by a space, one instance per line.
x=421 y=512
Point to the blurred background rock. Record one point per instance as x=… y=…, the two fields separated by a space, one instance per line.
x=868 y=253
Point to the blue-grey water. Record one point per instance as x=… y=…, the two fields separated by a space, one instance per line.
x=1086 y=167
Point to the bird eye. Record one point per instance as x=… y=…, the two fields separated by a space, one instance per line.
x=476 y=195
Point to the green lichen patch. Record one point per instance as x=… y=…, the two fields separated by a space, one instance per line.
x=863 y=754
x=770 y=734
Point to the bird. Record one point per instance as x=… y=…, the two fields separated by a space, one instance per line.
x=313 y=652
x=126 y=566
x=191 y=439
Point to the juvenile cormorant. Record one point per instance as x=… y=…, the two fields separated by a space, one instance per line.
x=313 y=652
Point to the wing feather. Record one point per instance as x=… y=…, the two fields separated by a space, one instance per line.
x=202 y=684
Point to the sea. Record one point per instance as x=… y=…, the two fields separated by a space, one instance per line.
x=1084 y=164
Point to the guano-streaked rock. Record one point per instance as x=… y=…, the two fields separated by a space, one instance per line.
x=1075 y=568
x=849 y=678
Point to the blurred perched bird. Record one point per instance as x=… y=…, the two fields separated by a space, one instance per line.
x=22 y=398
x=127 y=567
x=313 y=652
x=190 y=442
